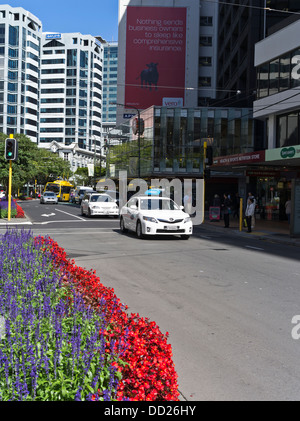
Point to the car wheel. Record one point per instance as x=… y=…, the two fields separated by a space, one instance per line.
x=89 y=213
x=139 y=231
x=185 y=237
x=122 y=226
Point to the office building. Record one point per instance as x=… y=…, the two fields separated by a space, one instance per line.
x=20 y=43
x=71 y=96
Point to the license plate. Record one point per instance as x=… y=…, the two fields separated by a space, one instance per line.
x=171 y=228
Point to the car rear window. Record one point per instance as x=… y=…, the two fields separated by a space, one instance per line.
x=49 y=195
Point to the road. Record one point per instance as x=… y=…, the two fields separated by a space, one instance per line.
x=227 y=301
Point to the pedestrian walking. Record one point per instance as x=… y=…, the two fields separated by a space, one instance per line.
x=250 y=209
x=226 y=207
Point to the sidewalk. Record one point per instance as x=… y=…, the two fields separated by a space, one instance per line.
x=275 y=231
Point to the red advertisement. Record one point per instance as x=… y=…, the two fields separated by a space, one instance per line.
x=155 y=56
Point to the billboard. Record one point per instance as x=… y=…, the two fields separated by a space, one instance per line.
x=155 y=56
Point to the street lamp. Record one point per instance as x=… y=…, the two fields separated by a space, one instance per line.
x=138 y=131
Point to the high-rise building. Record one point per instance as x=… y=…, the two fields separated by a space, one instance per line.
x=20 y=40
x=208 y=48
x=240 y=27
x=71 y=96
x=110 y=83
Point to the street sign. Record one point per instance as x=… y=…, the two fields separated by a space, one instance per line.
x=128 y=115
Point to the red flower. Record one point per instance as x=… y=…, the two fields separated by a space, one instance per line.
x=149 y=373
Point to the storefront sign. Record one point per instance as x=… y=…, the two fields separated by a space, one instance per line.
x=246 y=158
x=287 y=152
x=263 y=173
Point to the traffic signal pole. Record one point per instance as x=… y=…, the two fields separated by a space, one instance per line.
x=9 y=186
x=9 y=190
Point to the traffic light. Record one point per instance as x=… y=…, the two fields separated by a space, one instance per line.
x=206 y=174
x=105 y=144
x=11 y=149
x=138 y=125
x=209 y=155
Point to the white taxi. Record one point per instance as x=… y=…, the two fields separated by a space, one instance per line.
x=98 y=204
x=150 y=215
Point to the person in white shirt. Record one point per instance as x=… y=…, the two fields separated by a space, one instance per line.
x=250 y=196
x=249 y=213
x=288 y=208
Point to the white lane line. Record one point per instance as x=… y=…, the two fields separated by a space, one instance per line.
x=254 y=248
x=53 y=222
x=70 y=214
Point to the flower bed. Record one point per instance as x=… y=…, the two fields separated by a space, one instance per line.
x=137 y=362
x=149 y=373
x=16 y=210
x=52 y=346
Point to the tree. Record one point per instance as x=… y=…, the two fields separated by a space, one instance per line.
x=33 y=163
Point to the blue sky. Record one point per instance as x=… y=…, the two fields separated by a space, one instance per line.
x=93 y=17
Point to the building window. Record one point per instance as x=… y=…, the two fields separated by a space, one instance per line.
x=274 y=77
x=13 y=36
x=287 y=133
x=204 y=81
x=205 y=41
x=206 y=21
x=204 y=61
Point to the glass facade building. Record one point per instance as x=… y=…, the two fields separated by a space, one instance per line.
x=172 y=141
x=20 y=44
x=71 y=90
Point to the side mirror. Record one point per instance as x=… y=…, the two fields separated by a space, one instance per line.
x=181 y=207
x=133 y=207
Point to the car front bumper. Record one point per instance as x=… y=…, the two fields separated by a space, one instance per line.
x=153 y=228
x=104 y=212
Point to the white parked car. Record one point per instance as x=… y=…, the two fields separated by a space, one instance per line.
x=150 y=215
x=99 y=204
x=48 y=197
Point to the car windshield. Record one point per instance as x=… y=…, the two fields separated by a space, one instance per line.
x=158 y=204
x=49 y=194
x=100 y=198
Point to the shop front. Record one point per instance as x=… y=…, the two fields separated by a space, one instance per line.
x=273 y=190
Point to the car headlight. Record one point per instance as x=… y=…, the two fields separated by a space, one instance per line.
x=188 y=219
x=150 y=219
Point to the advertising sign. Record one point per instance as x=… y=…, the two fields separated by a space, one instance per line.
x=287 y=152
x=53 y=36
x=155 y=55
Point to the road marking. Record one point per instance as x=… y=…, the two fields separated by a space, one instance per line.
x=255 y=248
x=50 y=214
x=75 y=216
x=53 y=222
